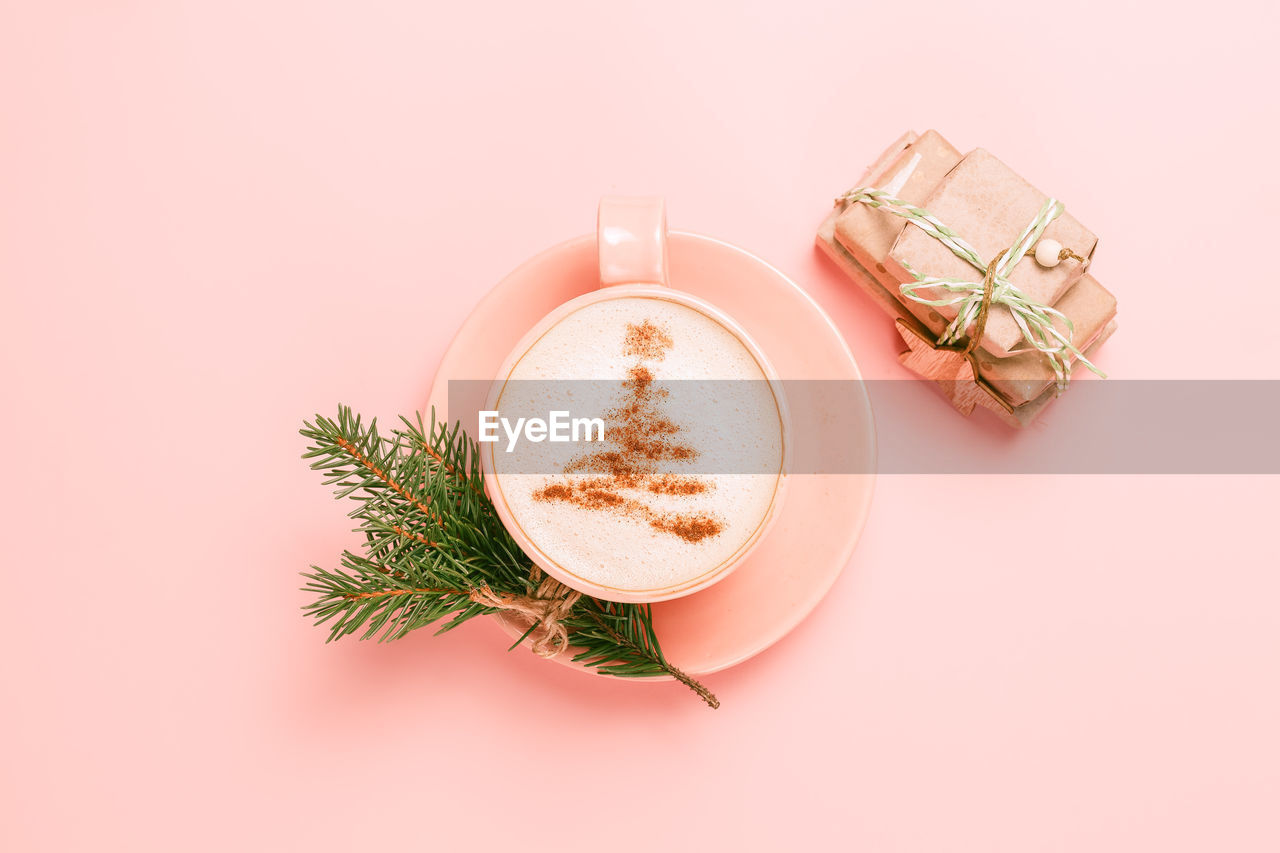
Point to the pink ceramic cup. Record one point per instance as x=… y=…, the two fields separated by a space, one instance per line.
x=632 y=240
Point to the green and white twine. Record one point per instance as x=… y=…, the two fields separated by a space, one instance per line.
x=1035 y=320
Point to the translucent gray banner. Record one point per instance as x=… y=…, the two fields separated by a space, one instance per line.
x=1097 y=427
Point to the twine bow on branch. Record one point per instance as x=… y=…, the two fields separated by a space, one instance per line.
x=544 y=608
x=972 y=300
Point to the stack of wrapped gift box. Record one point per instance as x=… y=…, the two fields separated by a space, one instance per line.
x=989 y=206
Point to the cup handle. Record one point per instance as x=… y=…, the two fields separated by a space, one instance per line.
x=631 y=234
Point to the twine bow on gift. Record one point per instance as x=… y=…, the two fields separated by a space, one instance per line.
x=544 y=609
x=972 y=300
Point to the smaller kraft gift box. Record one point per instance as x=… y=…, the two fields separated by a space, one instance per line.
x=986 y=276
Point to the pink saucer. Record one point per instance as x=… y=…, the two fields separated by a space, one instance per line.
x=820 y=522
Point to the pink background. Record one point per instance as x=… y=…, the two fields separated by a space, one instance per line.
x=218 y=218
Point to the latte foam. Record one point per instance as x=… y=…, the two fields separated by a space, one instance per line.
x=662 y=502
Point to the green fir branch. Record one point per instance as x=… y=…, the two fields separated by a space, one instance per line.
x=432 y=537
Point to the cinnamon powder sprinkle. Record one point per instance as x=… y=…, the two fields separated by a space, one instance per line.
x=691 y=528
x=646 y=341
x=643 y=436
x=670 y=484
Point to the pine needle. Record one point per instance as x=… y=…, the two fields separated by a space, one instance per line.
x=431 y=537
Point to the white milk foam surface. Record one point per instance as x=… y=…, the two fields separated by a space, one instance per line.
x=734 y=428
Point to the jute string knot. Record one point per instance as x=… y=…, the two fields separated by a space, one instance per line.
x=545 y=608
x=988 y=292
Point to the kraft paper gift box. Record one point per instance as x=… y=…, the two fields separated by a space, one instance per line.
x=989 y=205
